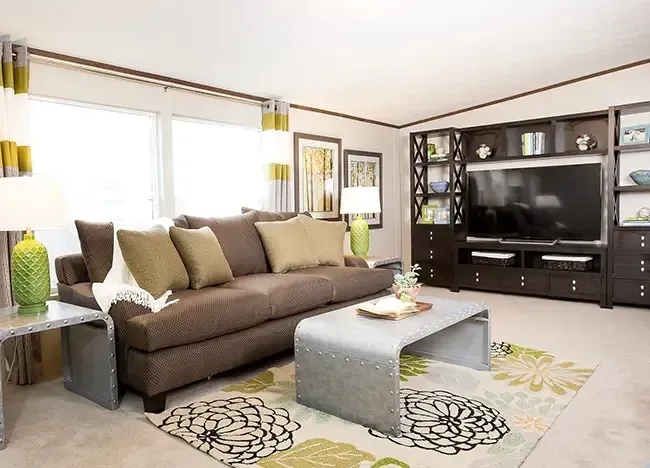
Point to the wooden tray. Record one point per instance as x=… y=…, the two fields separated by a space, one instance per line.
x=422 y=306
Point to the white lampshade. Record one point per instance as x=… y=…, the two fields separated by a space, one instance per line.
x=360 y=200
x=31 y=202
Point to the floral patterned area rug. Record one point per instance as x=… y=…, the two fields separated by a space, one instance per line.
x=451 y=416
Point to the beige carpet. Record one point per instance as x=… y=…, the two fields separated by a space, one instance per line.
x=606 y=425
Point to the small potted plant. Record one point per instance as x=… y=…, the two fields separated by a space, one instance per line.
x=406 y=286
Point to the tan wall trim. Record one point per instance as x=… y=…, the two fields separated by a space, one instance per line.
x=528 y=93
x=184 y=84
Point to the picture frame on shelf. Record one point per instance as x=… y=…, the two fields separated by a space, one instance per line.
x=364 y=169
x=441 y=216
x=635 y=135
x=317 y=171
x=428 y=214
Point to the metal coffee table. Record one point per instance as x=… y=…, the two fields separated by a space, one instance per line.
x=348 y=365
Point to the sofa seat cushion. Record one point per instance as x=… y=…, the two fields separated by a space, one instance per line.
x=199 y=315
x=288 y=294
x=351 y=283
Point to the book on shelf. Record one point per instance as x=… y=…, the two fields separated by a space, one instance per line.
x=533 y=143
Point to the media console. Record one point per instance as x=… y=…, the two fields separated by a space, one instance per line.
x=527 y=275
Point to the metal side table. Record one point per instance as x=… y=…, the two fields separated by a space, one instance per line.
x=88 y=348
x=395 y=264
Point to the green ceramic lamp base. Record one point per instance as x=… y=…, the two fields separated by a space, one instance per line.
x=30 y=275
x=359 y=237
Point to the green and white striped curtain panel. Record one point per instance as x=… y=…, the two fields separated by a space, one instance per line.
x=15 y=160
x=276 y=155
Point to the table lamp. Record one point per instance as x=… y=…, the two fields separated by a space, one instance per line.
x=360 y=200
x=30 y=203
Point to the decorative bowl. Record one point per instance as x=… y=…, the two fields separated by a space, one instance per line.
x=407 y=294
x=640 y=176
x=586 y=142
x=440 y=186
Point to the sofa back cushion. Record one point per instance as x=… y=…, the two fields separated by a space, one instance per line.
x=326 y=239
x=96 y=240
x=266 y=216
x=286 y=245
x=239 y=241
x=153 y=260
x=202 y=255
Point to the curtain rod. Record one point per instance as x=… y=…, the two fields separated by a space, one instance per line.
x=102 y=68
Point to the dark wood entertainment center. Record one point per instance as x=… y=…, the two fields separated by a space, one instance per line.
x=443 y=251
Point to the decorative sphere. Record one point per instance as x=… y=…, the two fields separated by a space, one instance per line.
x=586 y=142
x=643 y=212
x=484 y=151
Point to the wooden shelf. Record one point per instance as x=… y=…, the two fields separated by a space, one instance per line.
x=435 y=194
x=432 y=163
x=632 y=148
x=632 y=188
x=565 y=154
x=633 y=227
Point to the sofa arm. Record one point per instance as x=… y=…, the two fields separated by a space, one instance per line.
x=354 y=261
x=122 y=312
x=71 y=269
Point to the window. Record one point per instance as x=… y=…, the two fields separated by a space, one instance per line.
x=216 y=168
x=104 y=157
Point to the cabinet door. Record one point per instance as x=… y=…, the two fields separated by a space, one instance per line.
x=574 y=285
x=525 y=281
x=432 y=244
x=632 y=240
x=632 y=266
x=479 y=277
x=632 y=292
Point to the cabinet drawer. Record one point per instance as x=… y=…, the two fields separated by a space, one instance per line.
x=575 y=285
x=632 y=240
x=532 y=282
x=436 y=255
x=632 y=292
x=435 y=275
x=426 y=236
x=632 y=266
x=471 y=276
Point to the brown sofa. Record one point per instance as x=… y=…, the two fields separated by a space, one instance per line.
x=218 y=328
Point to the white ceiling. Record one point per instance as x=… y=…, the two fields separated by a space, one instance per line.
x=394 y=61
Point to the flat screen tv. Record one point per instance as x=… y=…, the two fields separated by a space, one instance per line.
x=537 y=203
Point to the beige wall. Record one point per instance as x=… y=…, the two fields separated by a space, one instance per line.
x=623 y=87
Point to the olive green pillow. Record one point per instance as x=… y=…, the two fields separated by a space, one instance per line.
x=326 y=239
x=202 y=255
x=286 y=245
x=153 y=260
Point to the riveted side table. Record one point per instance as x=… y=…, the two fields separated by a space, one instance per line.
x=88 y=348
x=395 y=264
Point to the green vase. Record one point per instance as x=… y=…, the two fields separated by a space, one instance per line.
x=359 y=237
x=30 y=275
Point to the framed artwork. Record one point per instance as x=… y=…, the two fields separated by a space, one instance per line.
x=317 y=166
x=441 y=216
x=635 y=135
x=363 y=169
x=428 y=213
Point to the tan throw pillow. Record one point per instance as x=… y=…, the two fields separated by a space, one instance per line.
x=153 y=260
x=202 y=255
x=286 y=245
x=326 y=239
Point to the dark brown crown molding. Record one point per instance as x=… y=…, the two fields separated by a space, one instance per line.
x=149 y=77
x=528 y=93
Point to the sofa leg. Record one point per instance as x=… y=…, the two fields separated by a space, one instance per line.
x=154 y=404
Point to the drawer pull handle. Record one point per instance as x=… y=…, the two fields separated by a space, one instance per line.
x=642 y=287
x=642 y=237
x=574 y=288
x=642 y=244
x=642 y=262
x=522 y=278
x=431 y=257
x=476 y=273
x=522 y=283
x=430 y=252
x=642 y=269
x=574 y=281
x=477 y=280
x=642 y=294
